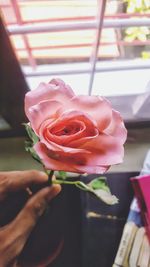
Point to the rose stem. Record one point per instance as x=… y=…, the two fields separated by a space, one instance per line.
x=50 y=175
x=76 y=183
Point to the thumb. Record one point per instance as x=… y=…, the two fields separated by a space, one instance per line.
x=35 y=207
x=19 y=230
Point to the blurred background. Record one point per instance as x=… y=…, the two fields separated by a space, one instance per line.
x=104 y=44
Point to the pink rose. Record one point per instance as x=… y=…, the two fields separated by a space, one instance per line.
x=76 y=133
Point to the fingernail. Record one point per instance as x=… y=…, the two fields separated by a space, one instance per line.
x=54 y=191
x=56 y=188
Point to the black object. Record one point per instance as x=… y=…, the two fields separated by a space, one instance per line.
x=12 y=87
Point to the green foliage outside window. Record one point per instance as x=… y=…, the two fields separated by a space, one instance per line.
x=138 y=33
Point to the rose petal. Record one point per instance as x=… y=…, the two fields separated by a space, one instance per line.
x=117 y=128
x=51 y=163
x=83 y=140
x=54 y=90
x=64 y=139
x=60 y=83
x=105 y=150
x=56 y=146
x=87 y=128
x=92 y=169
x=41 y=112
x=74 y=114
x=97 y=107
x=57 y=164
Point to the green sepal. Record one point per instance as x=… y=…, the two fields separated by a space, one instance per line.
x=29 y=148
x=62 y=175
x=30 y=143
x=34 y=138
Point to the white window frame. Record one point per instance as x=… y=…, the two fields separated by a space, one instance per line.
x=139 y=102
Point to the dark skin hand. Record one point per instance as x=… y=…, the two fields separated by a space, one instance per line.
x=15 y=234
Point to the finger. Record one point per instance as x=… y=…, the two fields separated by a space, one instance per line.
x=19 y=230
x=38 y=203
x=17 y=180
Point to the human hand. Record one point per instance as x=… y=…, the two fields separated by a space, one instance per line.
x=14 y=235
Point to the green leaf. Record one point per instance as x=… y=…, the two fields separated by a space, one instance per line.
x=31 y=133
x=105 y=196
x=30 y=143
x=99 y=183
x=62 y=174
x=33 y=153
x=100 y=189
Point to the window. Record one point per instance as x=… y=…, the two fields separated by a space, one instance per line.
x=98 y=47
